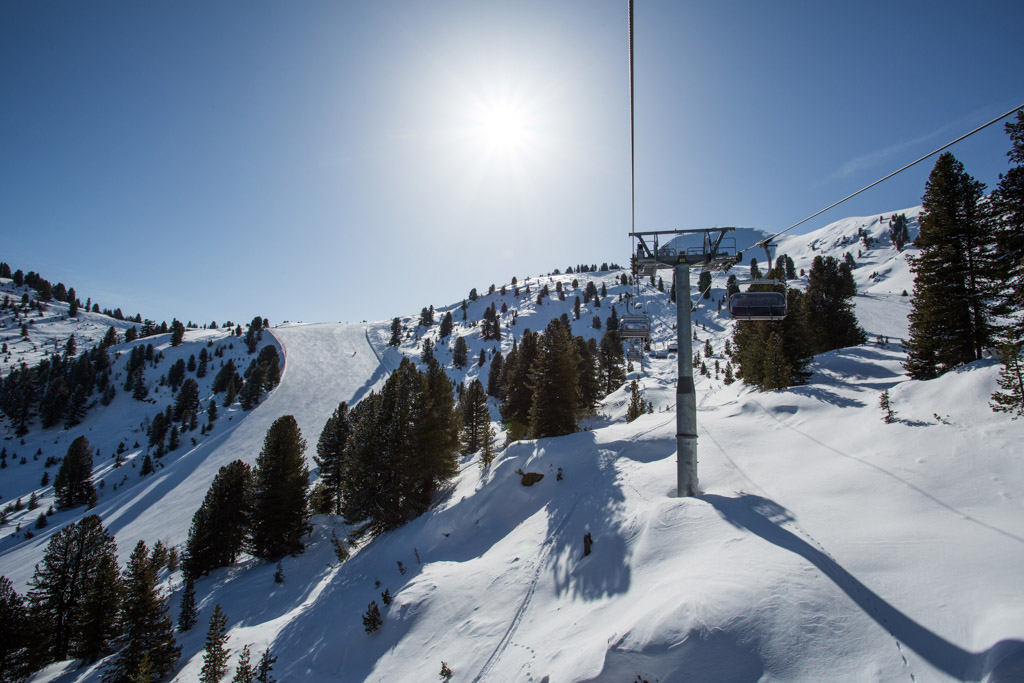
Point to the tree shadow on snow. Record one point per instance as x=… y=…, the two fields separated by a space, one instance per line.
x=765 y=518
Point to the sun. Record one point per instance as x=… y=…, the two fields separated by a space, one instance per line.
x=501 y=126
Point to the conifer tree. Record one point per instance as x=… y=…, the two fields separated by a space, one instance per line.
x=518 y=394
x=750 y=347
x=1007 y=210
x=446 y=326
x=950 y=320
x=330 y=457
x=476 y=418
x=14 y=632
x=555 y=405
x=265 y=666
x=587 y=376
x=1009 y=398
x=460 y=355
x=215 y=652
x=73 y=484
x=777 y=373
x=828 y=305
x=396 y=332
x=280 y=515
x=187 y=611
x=245 y=672
x=144 y=624
x=221 y=524
x=494 y=375
x=610 y=362
x=74 y=560
x=636 y=402
x=704 y=284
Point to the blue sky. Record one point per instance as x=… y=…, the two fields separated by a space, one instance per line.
x=328 y=160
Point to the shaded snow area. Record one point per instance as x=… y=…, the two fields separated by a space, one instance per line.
x=826 y=544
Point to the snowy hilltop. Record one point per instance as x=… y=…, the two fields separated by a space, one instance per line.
x=827 y=544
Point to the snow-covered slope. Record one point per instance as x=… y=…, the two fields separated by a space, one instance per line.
x=827 y=545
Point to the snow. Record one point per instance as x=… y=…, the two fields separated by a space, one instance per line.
x=826 y=545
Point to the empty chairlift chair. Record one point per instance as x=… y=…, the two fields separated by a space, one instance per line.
x=634 y=327
x=758 y=305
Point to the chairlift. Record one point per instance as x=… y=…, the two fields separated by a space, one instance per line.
x=634 y=327
x=634 y=353
x=751 y=306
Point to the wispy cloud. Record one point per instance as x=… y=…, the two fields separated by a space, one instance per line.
x=880 y=156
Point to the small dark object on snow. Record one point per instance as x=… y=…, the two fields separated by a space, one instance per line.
x=531 y=478
x=588 y=543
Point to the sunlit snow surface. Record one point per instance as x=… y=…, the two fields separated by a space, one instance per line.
x=827 y=545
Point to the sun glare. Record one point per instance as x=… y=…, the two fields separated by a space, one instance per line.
x=500 y=127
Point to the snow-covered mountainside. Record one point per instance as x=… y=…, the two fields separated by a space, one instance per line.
x=826 y=546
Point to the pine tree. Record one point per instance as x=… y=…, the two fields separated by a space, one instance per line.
x=245 y=672
x=222 y=522
x=187 y=611
x=372 y=620
x=75 y=559
x=950 y=320
x=888 y=415
x=1007 y=209
x=330 y=457
x=636 y=402
x=280 y=515
x=555 y=405
x=73 y=484
x=460 y=355
x=215 y=653
x=265 y=666
x=610 y=362
x=396 y=332
x=1011 y=383
x=828 y=305
x=144 y=624
x=14 y=633
x=446 y=326
x=476 y=417
x=750 y=347
x=777 y=373
x=704 y=284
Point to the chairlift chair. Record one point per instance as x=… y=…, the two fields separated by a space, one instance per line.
x=634 y=327
x=751 y=306
x=634 y=353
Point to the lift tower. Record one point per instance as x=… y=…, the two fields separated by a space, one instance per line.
x=715 y=253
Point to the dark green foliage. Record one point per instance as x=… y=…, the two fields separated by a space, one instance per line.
x=372 y=620
x=704 y=284
x=73 y=595
x=14 y=631
x=888 y=414
x=254 y=334
x=402 y=447
x=330 y=457
x=476 y=418
x=636 y=402
x=188 y=399
x=446 y=326
x=611 y=365
x=187 y=612
x=828 y=306
x=518 y=394
x=220 y=525
x=144 y=625
x=587 y=376
x=555 y=405
x=494 y=375
x=215 y=652
x=1007 y=209
x=265 y=666
x=898 y=231
x=1009 y=398
x=176 y=374
x=73 y=484
x=790 y=352
x=177 y=333
x=224 y=376
x=427 y=317
x=950 y=320
x=460 y=354
x=280 y=515
x=396 y=332
x=245 y=672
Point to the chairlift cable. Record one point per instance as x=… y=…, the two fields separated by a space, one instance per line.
x=913 y=163
x=632 y=158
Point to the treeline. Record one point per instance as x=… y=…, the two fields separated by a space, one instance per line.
x=59 y=387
